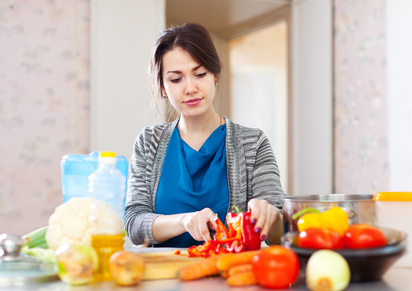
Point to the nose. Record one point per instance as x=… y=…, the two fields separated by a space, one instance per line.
x=191 y=86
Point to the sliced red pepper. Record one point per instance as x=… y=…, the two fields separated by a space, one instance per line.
x=238 y=237
x=209 y=248
x=242 y=228
x=221 y=231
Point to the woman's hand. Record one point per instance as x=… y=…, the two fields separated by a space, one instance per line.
x=199 y=223
x=263 y=217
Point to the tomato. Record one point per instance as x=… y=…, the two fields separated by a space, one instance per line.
x=361 y=235
x=316 y=238
x=276 y=267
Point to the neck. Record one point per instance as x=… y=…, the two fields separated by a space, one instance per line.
x=196 y=125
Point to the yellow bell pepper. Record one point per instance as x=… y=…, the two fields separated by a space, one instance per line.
x=334 y=218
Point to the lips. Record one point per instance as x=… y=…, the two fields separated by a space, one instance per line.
x=193 y=102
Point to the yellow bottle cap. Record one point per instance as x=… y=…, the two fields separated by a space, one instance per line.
x=393 y=196
x=107 y=154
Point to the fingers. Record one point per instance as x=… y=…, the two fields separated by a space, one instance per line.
x=201 y=231
x=263 y=216
x=199 y=223
x=269 y=220
x=258 y=216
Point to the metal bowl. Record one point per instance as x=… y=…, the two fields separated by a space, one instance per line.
x=359 y=207
x=365 y=264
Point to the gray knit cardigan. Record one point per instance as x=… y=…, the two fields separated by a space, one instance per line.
x=251 y=169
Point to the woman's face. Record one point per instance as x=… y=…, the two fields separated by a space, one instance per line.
x=188 y=85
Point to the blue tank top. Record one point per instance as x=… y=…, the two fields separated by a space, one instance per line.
x=193 y=180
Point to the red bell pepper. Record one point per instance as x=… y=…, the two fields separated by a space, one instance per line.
x=238 y=237
x=242 y=230
x=320 y=238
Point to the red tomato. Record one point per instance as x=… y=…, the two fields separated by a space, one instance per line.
x=361 y=235
x=317 y=238
x=276 y=267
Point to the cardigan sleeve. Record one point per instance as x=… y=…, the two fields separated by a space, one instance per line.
x=253 y=168
x=139 y=211
x=265 y=175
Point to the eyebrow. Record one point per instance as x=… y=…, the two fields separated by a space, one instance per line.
x=179 y=72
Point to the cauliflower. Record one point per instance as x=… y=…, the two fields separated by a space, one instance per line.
x=74 y=222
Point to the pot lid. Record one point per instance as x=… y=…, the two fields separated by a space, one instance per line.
x=16 y=269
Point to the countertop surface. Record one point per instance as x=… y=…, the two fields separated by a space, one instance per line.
x=396 y=278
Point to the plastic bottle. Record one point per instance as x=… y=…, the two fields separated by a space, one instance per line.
x=107 y=190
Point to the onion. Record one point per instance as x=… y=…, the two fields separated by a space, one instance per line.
x=127 y=268
x=327 y=270
x=76 y=263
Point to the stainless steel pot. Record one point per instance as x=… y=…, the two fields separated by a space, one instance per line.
x=359 y=207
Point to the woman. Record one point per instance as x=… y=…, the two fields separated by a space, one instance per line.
x=184 y=173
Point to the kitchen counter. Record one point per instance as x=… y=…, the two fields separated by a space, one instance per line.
x=396 y=278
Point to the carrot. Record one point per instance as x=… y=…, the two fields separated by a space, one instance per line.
x=240 y=269
x=199 y=269
x=227 y=261
x=225 y=274
x=242 y=279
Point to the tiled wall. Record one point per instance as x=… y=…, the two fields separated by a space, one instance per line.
x=360 y=105
x=44 y=104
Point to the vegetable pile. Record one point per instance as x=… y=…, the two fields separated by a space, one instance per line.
x=66 y=241
x=272 y=267
x=240 y=236
x=331 y=230
x=278 y=267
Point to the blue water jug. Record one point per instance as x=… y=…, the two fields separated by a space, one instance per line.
x=76 y=169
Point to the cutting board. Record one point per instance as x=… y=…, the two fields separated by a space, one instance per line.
x=164 y=265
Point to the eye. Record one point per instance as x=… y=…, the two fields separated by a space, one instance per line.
x=200 y=75
x=175 y=80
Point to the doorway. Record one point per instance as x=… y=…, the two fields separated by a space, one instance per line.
x=258 y=64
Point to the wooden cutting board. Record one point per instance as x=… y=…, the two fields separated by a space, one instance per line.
x=164 y=265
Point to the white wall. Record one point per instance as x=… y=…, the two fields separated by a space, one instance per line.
x=311 y=97
x=399 y=96
x=122 y=35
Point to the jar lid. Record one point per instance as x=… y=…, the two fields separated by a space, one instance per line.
x=393 y=196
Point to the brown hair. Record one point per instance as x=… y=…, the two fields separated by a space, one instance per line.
x=191 y=37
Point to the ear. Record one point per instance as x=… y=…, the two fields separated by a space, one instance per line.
x=164 y=95
x=217 y=79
